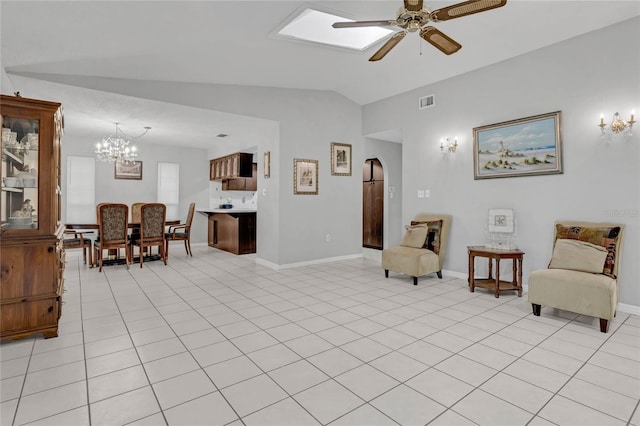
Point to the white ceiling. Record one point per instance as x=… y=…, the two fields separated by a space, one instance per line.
x=232 y=42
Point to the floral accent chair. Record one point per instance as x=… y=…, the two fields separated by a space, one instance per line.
x=182 y=232
x=113 y=230
x=153 y=217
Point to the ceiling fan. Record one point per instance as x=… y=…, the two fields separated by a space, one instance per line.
x=413 y=17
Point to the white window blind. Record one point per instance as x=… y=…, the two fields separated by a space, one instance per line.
x=81 y=190
x=168 y=187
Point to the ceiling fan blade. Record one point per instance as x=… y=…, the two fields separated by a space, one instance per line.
x=364 y=24
x=440 y=40
x=390 y=44
x=465 y=8
x=413 y=5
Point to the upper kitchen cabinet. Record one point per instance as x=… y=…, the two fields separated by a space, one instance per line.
x=231 y=166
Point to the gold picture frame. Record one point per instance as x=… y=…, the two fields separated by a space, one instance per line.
x=305 y=177
x=267 y=164
x=524 y=147
x=340 y=159
x=128 y=170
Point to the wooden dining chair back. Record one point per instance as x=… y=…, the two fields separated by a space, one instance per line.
x=113 y=230
x=152 y=223
x=76 y=240
x=182 y=232
x=135 y=212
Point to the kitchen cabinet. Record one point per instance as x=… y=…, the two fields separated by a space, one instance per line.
x=231 y=166
x=32 y=261
x=242 y=184
x=233 y=232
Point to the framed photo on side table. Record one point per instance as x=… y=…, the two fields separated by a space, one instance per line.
x=340 y=159
x=305 y=177
x=128 y=170
x=523 y=147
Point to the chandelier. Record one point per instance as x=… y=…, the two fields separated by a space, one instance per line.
x=116 y=149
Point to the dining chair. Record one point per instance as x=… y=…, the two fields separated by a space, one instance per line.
x=73 y=239
x=181 y=232
x=135 y=212
x=112 y=230
x=152 y=222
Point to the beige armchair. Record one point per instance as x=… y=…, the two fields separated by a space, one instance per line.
x=422 y=249
x=582 y=273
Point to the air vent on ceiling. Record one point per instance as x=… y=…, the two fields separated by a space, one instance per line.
x=426 y=101
x=221 y=135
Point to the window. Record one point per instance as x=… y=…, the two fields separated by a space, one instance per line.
x=169 y=187
x=81 y=190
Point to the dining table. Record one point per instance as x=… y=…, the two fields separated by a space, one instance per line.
x=114 y=259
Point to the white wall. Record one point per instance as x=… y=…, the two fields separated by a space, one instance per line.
x=582 y=77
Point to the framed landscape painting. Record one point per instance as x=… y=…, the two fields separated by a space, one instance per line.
x=128 y=170
x=305 y=177
x=523 y=147
x=340 y=159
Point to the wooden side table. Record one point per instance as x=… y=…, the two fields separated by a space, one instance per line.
x=497 y=285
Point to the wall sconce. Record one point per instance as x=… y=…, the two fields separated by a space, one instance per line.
x=446 y=146
x=617 y=126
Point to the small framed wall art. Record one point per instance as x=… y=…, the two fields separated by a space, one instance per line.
x=128 y=170
x=305 y=177
x=523 y=147
x=267 y=164
x=340 y=159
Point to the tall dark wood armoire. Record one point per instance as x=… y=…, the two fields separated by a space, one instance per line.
x=372 y=204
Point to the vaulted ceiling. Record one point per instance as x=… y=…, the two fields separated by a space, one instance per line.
x=233 y=42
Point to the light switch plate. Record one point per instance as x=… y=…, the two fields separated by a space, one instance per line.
x=420 y=194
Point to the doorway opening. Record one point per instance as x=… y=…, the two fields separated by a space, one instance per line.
x=372 y=204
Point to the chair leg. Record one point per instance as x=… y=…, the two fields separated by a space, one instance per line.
x=189 y=245
x=439 y=273
x=142 y=250
x=604 y=325
x=91 y=255
x=386 y=273
x=99 y=257
x=536 y=309
x=415 y=280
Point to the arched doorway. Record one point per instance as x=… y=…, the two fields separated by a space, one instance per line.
x=372 y=204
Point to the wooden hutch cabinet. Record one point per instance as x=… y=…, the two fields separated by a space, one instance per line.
x=32 y=260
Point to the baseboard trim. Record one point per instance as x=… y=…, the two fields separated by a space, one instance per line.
x=455 y=274
x=629 y=309
x=278 y=267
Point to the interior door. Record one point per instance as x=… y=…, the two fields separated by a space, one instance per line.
x=372 y=204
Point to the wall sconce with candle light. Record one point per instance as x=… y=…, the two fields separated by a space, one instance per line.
x=448 y=147
x=617 y=126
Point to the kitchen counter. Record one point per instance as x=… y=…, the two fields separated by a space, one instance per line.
x=233 y=210
x=232 y=230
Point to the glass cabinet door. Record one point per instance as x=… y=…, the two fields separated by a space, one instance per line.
x=20 y=148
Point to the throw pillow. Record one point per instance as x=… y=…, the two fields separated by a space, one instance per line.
x=607 y=237
x=414 y=236
x=578 y=256
x=433 y=235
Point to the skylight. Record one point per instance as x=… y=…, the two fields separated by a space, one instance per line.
x=315 y=26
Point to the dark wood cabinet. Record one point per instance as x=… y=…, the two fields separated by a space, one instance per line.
x=231 y=166
x=372 y=204
x=32 y=260
x=242 y=184
x=233 y=232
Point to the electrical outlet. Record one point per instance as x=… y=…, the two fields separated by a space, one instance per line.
x=420 y=194
x=427 y=193
x=327 y=238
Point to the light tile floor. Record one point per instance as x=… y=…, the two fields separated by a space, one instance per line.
x=217 y=339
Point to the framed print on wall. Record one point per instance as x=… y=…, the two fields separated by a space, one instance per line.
x=340 y=159
x=128 y=170
x=267 y=164
x=523 y=147
x=305 y=177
